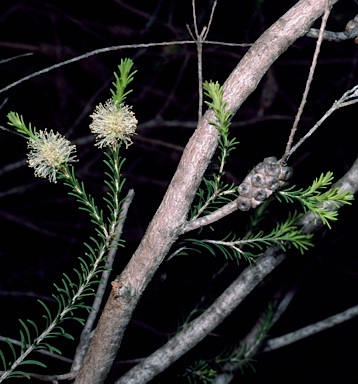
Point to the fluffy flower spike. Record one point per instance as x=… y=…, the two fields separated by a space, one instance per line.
x=48 y=152
x=112 y=124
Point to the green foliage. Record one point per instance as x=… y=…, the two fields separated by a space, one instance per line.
x=115 y=183
x=215 y=92
x=214 y=192
x=284 y=235
x=287 y=233
x=71 y=292
x=211 y=196
x=17 y=121
x=316 y=201
x=200 y=372
x=123 y=78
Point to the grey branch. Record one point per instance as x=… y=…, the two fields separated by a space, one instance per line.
x=334 y=36
x=348 y=98
x=110 y=49
x=308 y=82
x=310 y=330
x=212 y=217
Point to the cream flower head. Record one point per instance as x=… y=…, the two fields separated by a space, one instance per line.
x=112 y=124
x=48 y=152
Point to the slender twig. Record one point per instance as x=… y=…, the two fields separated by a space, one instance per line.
x=308 y=82
x=85 y=337
x=3 y=61
x=4 y=102
x=9 y=130
x=194 y=18
x=350 y=32
x=334 y=36
x=191 y=124
x=242 y=45
x=210 y=19
x=350 y=97
x=53 y=378
x=42 y=351
x=299 y=334
x=199 y=39
x=212 y=217
x=159 y=143
x=175 y=253
x=109 y=49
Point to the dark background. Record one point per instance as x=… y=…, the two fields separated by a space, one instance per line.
x=42 y=231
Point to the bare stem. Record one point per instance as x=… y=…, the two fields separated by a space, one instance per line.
x=350 y=97
x=110 y=49
x=199 y=39
x=310 y=330
x=308 y=82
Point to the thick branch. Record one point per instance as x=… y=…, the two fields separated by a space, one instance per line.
x=171 y=215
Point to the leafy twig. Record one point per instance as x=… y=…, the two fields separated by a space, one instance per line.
x=215 y=192
x=85 y=335
x=284 y=234
x=316 y=201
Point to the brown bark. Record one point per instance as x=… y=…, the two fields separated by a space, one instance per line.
x=171 y=214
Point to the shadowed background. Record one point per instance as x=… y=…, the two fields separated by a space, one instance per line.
x=42 y=231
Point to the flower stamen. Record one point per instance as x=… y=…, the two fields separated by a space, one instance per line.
x=113 y=124
x=49 y=151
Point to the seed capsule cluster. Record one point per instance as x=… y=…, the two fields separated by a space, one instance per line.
x=351 y=25
x=261 y=182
